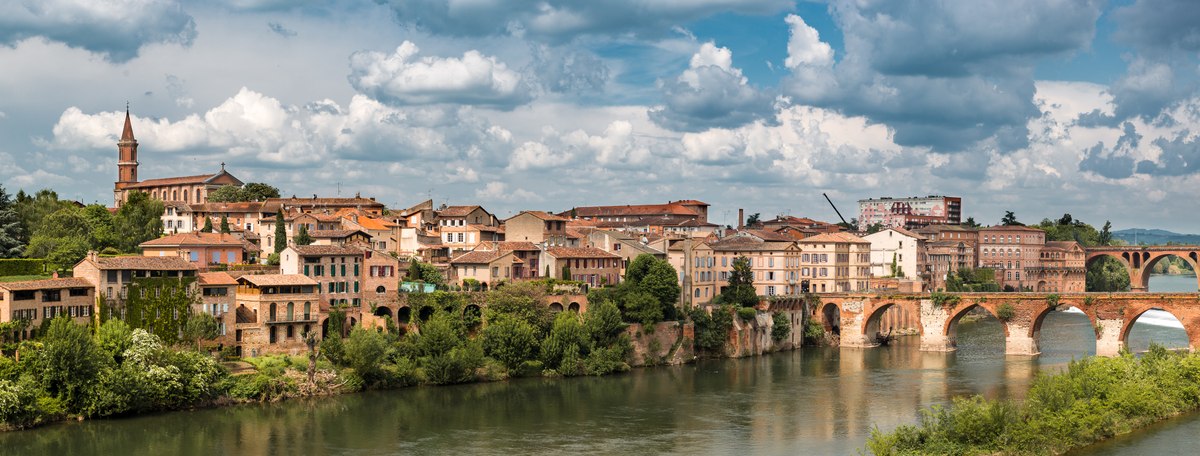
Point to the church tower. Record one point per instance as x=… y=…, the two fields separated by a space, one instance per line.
x=126 y=161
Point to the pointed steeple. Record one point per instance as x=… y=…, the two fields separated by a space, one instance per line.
x=127 y=133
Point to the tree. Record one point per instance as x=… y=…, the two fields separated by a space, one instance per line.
x=424 y=272
x=1010 y=219
x=566 y=339
x=208 y=227
x=874 y=228
x=257 y=191
x=113 y=338
x=302 y=237
x=643 y=308
x=226 y=194
x=603 y=323
x=201 y=326
x=510 y=340
x=254 y=191
x=102 y=226
x=365 y=350
x=137 y=221
x=63 y=238
x=67 y=362
x=11 y=236
x=740 y=291
x=1105 y=237
x=224 y=224
x=280 y=233
x=638 y=268
x=752 y=219
x=971 y=223
x=662 y=283
x=33 y=209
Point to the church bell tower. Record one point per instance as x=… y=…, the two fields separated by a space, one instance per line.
x=126 y=160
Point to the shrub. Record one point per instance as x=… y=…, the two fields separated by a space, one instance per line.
x=19 y=403
x=782 y=326
x=365 y=351
x=608 y=360
x=1005 y=312
x=21 y=266
x=941 y=300
x=747 y=314
x=712 y=331
x=333 y=349
x=566 y=335
x=1052 y=301
x=814 y=333
x=510 y=340
x=528 y=368
x=603 y=324
x=454 y=366
x=643 y=307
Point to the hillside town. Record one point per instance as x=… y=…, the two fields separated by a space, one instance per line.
x=278 y=265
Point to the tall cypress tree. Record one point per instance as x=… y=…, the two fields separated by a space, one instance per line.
x=207 y=225
x=280 y=233
x=224 y=224
x=11 y=245
x=302 y=237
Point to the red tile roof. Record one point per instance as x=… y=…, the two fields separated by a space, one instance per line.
x=579 y=252
x=540 y=214
x=194 y=238
x=456 y=211
x=482 y=257
x=183 y=180
x=216 y=278
x=673 y=208
x=326 y=250
x=47 y=284
x=834 y=238
x=265 y=280
x=163 y=263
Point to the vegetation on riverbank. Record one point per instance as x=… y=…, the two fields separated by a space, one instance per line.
x=1093 y=399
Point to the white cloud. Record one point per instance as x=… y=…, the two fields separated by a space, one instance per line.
x=710 y=93
x=404 y=78
x=804 y=47
x=116 y=30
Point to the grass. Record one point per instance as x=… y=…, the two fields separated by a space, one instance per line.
x=23 y=278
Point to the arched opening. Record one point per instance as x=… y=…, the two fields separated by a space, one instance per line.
x=1069 y=334
x=271 y=314
x=976 y=333
x=1170 y=274
x=307 y=311
x=324 y=328
x=832 y=319
x=291 y=311
x=353 y=322
x=556 y=307
x=1108 y=273
x=884 y=322
x=404 y=315
x=1154 y=326
x=383 y=311
x=425 y=313
x=574 y=307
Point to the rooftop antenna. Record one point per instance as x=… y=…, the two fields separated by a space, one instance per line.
x=835 y=209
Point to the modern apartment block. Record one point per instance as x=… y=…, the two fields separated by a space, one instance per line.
x=910 y=213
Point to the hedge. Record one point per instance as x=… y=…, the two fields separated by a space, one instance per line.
x=22 y=266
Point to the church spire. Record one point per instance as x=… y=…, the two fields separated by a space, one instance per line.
x=127 y=133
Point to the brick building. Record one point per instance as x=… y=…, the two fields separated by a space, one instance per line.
x=38 y=300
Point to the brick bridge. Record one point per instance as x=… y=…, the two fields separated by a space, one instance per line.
x=858 y=317
x=1140 y=260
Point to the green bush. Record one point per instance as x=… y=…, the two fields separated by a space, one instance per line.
x=712 y=331
x=22 y=266
x=941 y=300
x=529 y=368
x=454 y=366
x=19 y=407
x=365 y=351
x=566 y=335
x=510 y=340
x=1005 y=312
x=782 y=326
x=747 y=314
x=814 y=333
x=607 y=360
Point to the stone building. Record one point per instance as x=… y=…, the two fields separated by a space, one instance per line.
x=897 y=253
x=204 y=250
x=186 y=189
x=336 y=270
x=1009 y=250
x=774 y=262
x=38 y=300
x=590 y=265
x=835 y=263
x=536 y=227
x=218 y=292
x=274 y=312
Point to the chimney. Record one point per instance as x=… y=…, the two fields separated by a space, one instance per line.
x=741 y=218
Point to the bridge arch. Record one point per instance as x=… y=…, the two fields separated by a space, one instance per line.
x=1127 y=326
x=951 y=329
x=831 y=318
x=874 y=320
x=1153 y=259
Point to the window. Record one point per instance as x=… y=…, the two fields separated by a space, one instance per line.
x=216 y=257
x=194 y=256
x=22 y=295
x=78 y=292
x=229 y=257
x=770 y=290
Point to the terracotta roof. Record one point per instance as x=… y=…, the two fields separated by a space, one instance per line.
x=484 y=227
x=736 y=243
x=148 y=263
x=907 y=233
x=672 y=208
x=194 y=238
x=47 y=284
x=539 y=214
x=483 y=257
x=216 y=278
x=768 y=235
x=1065 y=245
x=375 y=224
x=266 y=280
x=833 y=238
x=335 y=234
x=1009 y=228
x=249 y=206
x=304 y=202
x=578 y=252
x=456 y=211
x=507 y=246
x=326 y=250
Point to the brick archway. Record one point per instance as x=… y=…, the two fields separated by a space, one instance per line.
x=1133 y=316
x=872 y=325
x=1035 y=330
x=1139 y=260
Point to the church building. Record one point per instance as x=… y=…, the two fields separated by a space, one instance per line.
x=186 y=190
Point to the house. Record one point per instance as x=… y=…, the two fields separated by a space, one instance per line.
x=530 y=266
x=583 y=264
x=112 y=276
x=340 y=237
x=201 y=249
x=217 y=298
x=897 y=253
x=774 y=263
x=337 y=271
x=381 y=280
x=274 y=312
x=834 y=263
x=485 y=267
x=36 y=301
x=625 y=245
x=536 y=227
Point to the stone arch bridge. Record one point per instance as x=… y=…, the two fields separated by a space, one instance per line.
x=859 y=317
x=1140 y=260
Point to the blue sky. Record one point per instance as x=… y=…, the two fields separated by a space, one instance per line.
x=1038 y=106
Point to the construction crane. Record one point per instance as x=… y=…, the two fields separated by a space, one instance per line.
x=835 y=209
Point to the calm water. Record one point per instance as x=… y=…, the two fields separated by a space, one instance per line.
x=817 y=401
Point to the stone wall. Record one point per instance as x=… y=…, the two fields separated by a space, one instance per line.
x=753 y=338
x=669 y=343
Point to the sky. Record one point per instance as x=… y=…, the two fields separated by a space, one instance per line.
x=1040 y=107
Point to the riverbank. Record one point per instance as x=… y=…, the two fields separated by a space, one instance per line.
x=1091 y=400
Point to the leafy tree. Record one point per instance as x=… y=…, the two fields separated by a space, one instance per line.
x=522 y=300
x=137 y=221
x=302 y=237
x=226 y=194
x=424 y=272
x=752 y=219
x=712 y=331
x=1107 y=274
x=971 y=223
x=254 y=191
x=224 y=224
x=639 y=267
x=643 y=307
x=566 y=272
x=102 y=227
x=781 y=328
x=208 y=226
x=63 y=238
x=12 y=241
x=67 y=362
x=33 y=209
x=1010 y=219
x=201 y=326
x=603 y=324
x=510 y=340
x=740 y=291
x=874 y=228
x=1105 y=235
x=257 y=191
x=566 y=337
x=365 y=352
x=662 y=282
x=113 y=338
x=280 y=232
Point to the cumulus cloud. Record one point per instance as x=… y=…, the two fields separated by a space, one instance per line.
x=710 y=93
x=562 y=20
x=116 y=30
x=948 y=76
x=566 y=70
x=1162 y=71
x=1115 y=163
x=403 y=78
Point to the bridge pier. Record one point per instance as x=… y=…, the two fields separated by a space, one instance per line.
x=1018 y=342
x=1109 y=342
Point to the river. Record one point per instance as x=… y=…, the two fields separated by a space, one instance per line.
x=813 y=401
